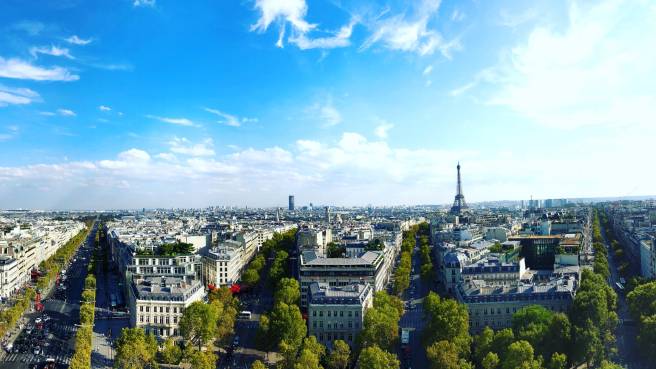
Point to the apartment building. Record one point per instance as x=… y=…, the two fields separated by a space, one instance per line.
x=493 y=305
x=223 y=265
x=370 y=267
x=337 y=312
x=157 y=303
x=9 y=281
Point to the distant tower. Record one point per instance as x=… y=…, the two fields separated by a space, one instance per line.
x=459 y=204
x=277 y=215
x=291 y=202
x=328 y=214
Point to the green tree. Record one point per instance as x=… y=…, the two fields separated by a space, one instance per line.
x=198 y=323
x=375 y=358
x=171 y=353
x=610 y=365
x=379 y=329
x=203 y=360
x=339 y=355
x=257 y=364
x=283 y=323
x=288 y=291
x=250 y=277
x=531 y=324
x=587 y=343
x=641 y=300
x=490 y=361
x=335 y=250
x=502 y=340
x=482 y=344
x=447 y=320
x=226 y=313
x=443 y=355
x=558 y=361
x=308 y=360
x=520 y=356
x=134 y=349
x=558 y=338
x=647 y=335
x=311 y=344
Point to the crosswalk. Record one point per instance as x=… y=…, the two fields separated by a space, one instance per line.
x=31 y=358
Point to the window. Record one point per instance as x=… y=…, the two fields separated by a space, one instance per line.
x=314 y=313
x=148 y=309
x=341 y=313
x=167 y=309
x=329 y=313
x=141 y=309
x=321 y=313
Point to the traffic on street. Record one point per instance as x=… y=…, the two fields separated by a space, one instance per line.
x=47 y=339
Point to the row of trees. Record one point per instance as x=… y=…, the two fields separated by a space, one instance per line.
x=277 y=248
x=642 y=305
x=84 y=337
x=402 y=273
x=620 y=255
x=427 y=269
x=9 y=317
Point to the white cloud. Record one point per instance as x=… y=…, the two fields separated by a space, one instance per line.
x=292 y=13
x=229 y=119
x=411 y=33
x=382 y=129
x=66 y=112
x=457 y=15
x=176 y=121
x=427 y=70
x=326 y=112
x=184 y=147
x=168 y=157
x=144 y=3
x=17 y=96
x=75 y=40
x=52 y=50
x=513 y=20
x=598 y=70
x=338 y=172
x=19 y=69
x=340 y=39
x=104 y=108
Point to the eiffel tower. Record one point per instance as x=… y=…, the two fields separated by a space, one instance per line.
x=459 y=204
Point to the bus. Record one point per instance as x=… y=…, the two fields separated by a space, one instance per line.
x=246 y=315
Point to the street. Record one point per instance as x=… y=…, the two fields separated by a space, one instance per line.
x=108 y=321
x=413 y=318
x=51 y=334
x=626 y=333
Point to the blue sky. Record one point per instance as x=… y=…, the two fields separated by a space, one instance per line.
x=161 y=103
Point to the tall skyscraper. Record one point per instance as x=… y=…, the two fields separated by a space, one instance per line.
x=291 y=202
x=459 y=204
x=328 y=214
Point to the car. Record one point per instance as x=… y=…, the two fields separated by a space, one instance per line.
x=235 y=341
x=38 y=320
x=37 y=350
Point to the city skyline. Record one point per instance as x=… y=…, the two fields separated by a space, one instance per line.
x=159 y=104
